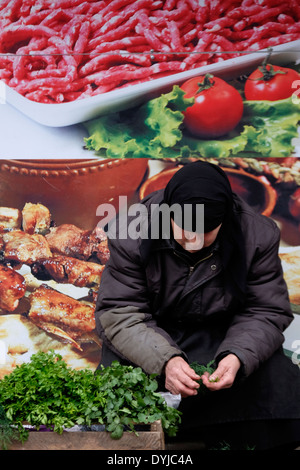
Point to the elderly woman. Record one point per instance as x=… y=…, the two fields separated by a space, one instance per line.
x=218 y=295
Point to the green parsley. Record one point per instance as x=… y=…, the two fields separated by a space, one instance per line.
x=8 y=433
x=200 y=369
x=45 y=391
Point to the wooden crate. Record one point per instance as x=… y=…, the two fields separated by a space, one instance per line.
x=148 y=439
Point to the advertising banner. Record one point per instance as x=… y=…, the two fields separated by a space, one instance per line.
x=101 y=103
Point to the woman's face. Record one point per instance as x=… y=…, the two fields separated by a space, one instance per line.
x=193 y=241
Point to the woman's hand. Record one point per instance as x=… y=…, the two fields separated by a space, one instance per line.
x=181 y=379
x=225 y=373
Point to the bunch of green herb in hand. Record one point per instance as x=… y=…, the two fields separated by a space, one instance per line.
x=200 y=369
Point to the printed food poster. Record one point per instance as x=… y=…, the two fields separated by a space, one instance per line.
x=101 y=102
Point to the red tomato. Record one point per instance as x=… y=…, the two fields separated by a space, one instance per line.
x=271 y=83
x=217 y=109
x=294 y=204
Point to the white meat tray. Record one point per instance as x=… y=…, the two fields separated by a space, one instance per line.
x=66 y=114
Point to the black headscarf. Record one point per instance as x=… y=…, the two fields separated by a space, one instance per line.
x=201 y=183
x=206 y=183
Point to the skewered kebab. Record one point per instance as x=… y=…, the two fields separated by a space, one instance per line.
x=69 y=240
x=27 y=238
x=63 y=316
x=65 y=269
x=36 y=218
x=10 y=218
x=21 y=247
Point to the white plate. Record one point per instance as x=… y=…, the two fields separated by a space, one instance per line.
x=65 y=114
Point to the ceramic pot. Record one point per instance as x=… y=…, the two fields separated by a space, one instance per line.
x=71 y=189
x=255 y=190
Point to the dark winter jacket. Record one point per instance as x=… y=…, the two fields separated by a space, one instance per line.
x=152 y=308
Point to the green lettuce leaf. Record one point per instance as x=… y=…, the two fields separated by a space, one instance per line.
x=276 y=125
x=151 y=131
x=155 y=130
x=231 y=146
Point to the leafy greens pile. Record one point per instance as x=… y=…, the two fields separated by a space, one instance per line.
x=47 y=392
x=155 y=130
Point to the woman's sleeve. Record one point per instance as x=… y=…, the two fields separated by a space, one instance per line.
x=123 y=317
x=257 y=331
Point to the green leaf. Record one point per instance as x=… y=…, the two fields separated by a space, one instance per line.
x=125 y=410
x=162 y=119
x=142 y=417
x=275 y=124
x=144 y=132
x=222 y=148
x=152 y=386
x=201 y=368
x=117 y=432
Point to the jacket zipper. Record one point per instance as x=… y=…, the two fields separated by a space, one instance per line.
x=192 y=267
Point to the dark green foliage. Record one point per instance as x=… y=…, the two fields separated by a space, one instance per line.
x=47 y=392
x=8 y=433
x=200 y=369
